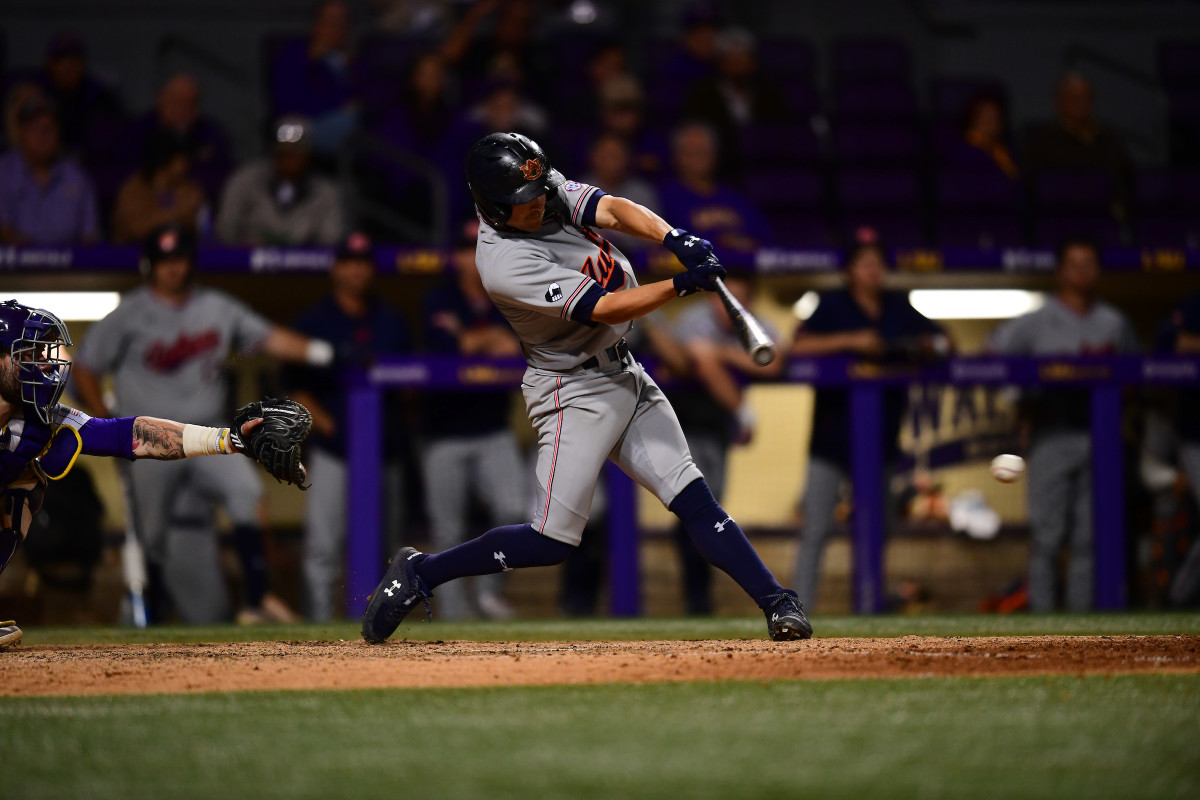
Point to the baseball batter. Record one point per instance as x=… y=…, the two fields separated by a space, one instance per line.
x=166 y=346
x=40 y=439
x=571 y=297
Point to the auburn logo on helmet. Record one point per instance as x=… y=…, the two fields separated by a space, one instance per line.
x=532 y=169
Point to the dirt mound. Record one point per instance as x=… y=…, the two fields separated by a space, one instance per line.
x=135 y=669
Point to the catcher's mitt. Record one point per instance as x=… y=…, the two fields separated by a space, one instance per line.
x=275 y=442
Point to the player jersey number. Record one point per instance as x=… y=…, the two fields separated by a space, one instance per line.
x=604 y=269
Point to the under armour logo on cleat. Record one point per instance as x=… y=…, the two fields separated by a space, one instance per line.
x=395 y=586
x=720 y=526
x=499 y=556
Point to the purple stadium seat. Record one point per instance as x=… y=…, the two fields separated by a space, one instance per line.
x=973 y=190
x=949 y=97
x=787 y=59
x=1051 y=230
x=1179 y=63
x=802 y=99
x=779 y=144
x=1073 y=192
x=665 y=99
x=877 y=143
x=784 y=189
x=878 y=189
x=800 y=230
x=1184 y=103
x=871 y=61
x=984 y=231
x=875 y=101
x=899 y=229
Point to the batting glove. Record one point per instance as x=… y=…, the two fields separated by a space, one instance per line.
x=690 y=250
x=700 y=278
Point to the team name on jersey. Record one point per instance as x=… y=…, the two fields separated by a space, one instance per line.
x=604 y=270
x=164 y=357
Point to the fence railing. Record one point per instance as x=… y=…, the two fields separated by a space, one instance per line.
x=1104 y=377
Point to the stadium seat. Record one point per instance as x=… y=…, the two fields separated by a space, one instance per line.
x=860 y=189
x=871 y=61
x=983 y=231
x=1073 y=192
x=877 y=143
x=891 y=102
x=974 y=190
x=779 y=145
x=949 y=97
x=1052 y=230
x=898 y=229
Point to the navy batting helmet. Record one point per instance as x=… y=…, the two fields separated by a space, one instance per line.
x=508 y=169
x=171 y=240
x=32 y=337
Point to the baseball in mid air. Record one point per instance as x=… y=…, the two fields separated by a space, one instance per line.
x=1007 y=468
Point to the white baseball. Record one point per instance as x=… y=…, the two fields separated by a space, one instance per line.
x=1007 y=468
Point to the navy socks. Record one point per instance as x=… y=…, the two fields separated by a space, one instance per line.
x=248 y=541
x=498 y=550
x=721 y=541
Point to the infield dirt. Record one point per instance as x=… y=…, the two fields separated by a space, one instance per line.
x=43 y=670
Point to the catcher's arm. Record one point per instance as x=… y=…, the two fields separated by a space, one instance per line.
x=168 y=440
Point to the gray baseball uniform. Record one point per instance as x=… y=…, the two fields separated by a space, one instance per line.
x=546 y=284
x=1059 y=456
x=166 y=362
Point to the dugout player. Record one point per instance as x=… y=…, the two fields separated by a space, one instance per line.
x=571 y=297
x=41 y=439
x=166 y=345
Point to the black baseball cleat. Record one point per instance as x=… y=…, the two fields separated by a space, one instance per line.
x=394 y=597
x=10 y=634
x=785 y=617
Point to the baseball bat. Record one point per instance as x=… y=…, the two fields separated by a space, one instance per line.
x=749 y=330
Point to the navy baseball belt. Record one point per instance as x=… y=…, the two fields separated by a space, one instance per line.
x=619 y=352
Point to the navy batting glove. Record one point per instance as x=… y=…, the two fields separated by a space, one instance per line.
x=699 y=279
x=690 y=250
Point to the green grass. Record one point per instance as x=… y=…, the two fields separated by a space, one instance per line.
x=1125 y=736
x=642 y=629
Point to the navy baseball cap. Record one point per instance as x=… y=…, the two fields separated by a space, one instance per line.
x=355 y=246
x=170 y=241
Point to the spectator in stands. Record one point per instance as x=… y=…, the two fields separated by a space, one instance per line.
x=984 y=144
x=701 y=203
x=866 y=321
x=315 y=79
x=80 y=97
x=45 y=198
x=694 y=57
x=623 y=113
x=423 y=117
x=278 y=200
x=177 y=114
x=712 y=407
x=509 y=52
x=607 y=62
x=361 y=327
x=504 y=108
x=609 y=161
x=161 y=192
x=737 y=96
x=1078 y=141
x=1073 y=321
x=470 y=452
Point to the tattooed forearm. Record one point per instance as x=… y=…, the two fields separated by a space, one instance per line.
x=160 y=439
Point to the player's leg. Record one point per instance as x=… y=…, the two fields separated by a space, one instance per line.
x=577 y=418
x=1050 y=506
x=1081 y=560
x=708 y=452
x=654 y=452
x=446 y=462
x=1185 y=586
x=192 y=567
x=324 y=532
x=500 y=476
x=822 y=490
x=149 y=489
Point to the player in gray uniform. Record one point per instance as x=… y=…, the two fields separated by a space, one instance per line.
x=571 y=297
x=166 y=345
x=1073 y=321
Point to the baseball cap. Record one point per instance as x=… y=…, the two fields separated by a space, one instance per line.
x=169 y=241
x=65 y=44
x=34 y=106
x=355 y=246
x=293 y=131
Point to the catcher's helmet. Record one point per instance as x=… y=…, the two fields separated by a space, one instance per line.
x=32 y=337
x=507 y=169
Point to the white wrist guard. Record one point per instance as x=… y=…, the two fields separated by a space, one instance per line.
x=201 y=441
x=319 y=353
